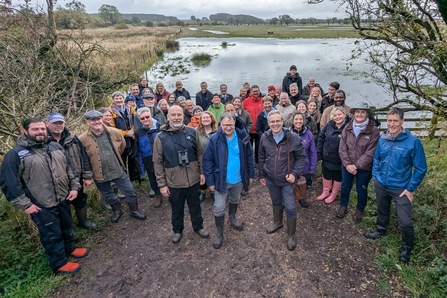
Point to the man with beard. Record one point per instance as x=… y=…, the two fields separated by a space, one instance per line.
x=57 y=132
x=177 y=158
x=339 y=101
x=105 y=145
x=204 y=96
x=180 y=91
x=135 y=91
x=292 y=77
x=38 y=178
x=328 y=98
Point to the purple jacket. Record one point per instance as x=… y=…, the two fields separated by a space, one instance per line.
x=307 y=139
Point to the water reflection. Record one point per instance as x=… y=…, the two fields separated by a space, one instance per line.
x=265 y=62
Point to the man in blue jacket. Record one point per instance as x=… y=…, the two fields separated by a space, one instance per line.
x=228 y=166
x=399 y=167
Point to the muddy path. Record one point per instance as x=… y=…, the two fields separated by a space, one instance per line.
x=137 y=259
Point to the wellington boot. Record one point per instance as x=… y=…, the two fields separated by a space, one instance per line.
x=327 y=186
x=83 y=222
x=217 y=243
x=134 y=212
x=291 y=229
x=69 y=268
x=335 y=190
x=79 y=253
x=277 y=219
x=116 y=212
x=232 y=210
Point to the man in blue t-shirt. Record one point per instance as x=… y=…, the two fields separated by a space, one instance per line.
x=228 y=166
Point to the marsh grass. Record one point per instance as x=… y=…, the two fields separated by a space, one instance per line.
x=201 y=59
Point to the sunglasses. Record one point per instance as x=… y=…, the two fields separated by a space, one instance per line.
x=144 y=118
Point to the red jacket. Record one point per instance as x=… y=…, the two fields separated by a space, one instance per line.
x=254 y=106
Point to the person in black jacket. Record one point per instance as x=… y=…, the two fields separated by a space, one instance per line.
x=328 y=98
x=180 y=91
x=327 y=151
x=281 y=160
x=204 y=96
x=292 y=77
x=262 y=123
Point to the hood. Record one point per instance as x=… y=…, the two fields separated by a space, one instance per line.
x=23 y=141
x=402 y=136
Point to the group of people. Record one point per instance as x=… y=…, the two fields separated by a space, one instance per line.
x=213 y=145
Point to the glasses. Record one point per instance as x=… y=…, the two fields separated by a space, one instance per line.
x=144 y=118
x=227 y=125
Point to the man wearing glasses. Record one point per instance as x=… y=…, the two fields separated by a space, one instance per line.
x=229 y=168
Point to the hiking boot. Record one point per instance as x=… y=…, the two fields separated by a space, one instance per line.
x=79 y=253
x=217 y=243
x=151 y=193
x=405 y=252
x=277 y=219
x=357 y=217
x=134 y=212
x=158 y=200
x=342 y=211
x=83 y=222
x=375 y=235
x=69 y=268
x=291 y=229
x=116 y=212
x=176 y=237
x=303 y=203
x=232 y=210
x=203 y=233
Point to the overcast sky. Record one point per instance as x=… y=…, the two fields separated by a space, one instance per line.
x=264 y=9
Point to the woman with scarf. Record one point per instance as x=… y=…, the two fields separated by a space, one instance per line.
x=357 y=145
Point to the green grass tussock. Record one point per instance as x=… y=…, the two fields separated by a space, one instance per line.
x=201 y=59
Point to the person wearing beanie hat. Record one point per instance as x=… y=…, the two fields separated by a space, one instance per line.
x=292 y=77
x=130 y=101
x=271 y=91
x=195 y=119
x=105 y=146
x=58 y=132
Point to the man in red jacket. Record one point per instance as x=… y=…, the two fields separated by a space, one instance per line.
x=253 y=105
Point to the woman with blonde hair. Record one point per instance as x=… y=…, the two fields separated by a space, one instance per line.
x=327 y=151
x=160 y=92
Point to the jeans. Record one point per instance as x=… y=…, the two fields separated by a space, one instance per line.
x=124 y=185
x=234 y=193
x=56 y=233
x=283 y=196
x=403 y=209
x=362 y=180
x=177 y=199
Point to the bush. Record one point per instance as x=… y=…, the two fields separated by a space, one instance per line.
x=172 y=44
x=224 y=44
x=180 y=23
x=158 y=52
x=201 y=59
x=121 y=26
x=148 y=24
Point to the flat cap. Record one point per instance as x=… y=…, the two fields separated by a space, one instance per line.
x=90 y=115
x=148 y=95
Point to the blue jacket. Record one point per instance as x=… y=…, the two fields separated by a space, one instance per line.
x=215 y=160
x=144 y=138
x=399 y=163
x=307 y=139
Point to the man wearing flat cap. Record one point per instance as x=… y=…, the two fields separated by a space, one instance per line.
x=57 y=132
x=104 y=145
x=292 y=77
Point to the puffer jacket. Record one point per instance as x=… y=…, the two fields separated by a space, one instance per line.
x=76 y=151
x=328 y=144
x=168 y=146
x=194 y=123
x=399 y=163
x=358 y=151
x=308 y=141
x=254 y=106
x=215 y=160
x=288 y=79
x=273 y=157
x=36 y=173
x=90 y=144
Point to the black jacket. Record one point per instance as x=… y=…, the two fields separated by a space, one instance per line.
x=262 y=124
x=204 y=99
x=184 y=93
x=289 y=80
x=328 y=144
x=273 y=163
x=326 y=102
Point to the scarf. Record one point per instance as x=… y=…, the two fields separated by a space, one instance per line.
x=358 y=127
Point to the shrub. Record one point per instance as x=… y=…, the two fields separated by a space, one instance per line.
x=172 y=44
x=201 y=59
x=224 y=44
x=148 y=24
x=121 y=26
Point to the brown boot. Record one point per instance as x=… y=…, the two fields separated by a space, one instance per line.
x=158 y=200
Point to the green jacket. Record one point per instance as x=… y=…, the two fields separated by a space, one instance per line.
x=217 y=111
x=39 y=174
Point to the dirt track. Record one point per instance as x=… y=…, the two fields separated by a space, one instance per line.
x=138 y=259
